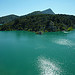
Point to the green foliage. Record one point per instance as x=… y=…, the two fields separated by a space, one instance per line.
x=70 y=28
x=6 y=19
x=41 y=22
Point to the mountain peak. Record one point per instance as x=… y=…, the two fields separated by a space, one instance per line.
x=48 y=11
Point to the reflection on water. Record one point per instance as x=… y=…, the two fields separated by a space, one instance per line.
x=64 y=42
x=48 y=67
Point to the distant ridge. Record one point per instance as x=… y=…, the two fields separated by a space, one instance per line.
x=48 y=11
x=34 y=13
x=9 y=18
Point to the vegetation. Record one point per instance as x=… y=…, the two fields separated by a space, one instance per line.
x=41 y=22
x=6 y=19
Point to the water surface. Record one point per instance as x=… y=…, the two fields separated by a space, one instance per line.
x=26 y=53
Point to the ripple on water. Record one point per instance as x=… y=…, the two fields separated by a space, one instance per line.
x=48 y=67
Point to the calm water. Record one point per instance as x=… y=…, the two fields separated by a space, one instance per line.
x=26 y=53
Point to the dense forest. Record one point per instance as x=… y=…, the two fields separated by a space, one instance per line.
x=41 y=22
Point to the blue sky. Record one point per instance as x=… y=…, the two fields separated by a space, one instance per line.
x=22 y=7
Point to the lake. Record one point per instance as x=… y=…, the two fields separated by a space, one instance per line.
x=27 y=53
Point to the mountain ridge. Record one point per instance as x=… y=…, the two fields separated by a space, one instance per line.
x=11 y=17
x=47 y=11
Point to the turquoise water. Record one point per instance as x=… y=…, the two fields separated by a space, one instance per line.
x=26 y=53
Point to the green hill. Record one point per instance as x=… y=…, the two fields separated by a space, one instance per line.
x=9 y=18
x=41 y=22
x=6 y=19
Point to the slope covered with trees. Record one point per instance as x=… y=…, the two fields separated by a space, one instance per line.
x=6 y=19
x=41 y=22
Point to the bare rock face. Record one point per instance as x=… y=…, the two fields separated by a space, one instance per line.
x=48 y=11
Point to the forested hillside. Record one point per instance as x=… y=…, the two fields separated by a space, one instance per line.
x=43 y=22
x=6 y=19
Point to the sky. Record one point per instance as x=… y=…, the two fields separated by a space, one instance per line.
x=23 y=7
